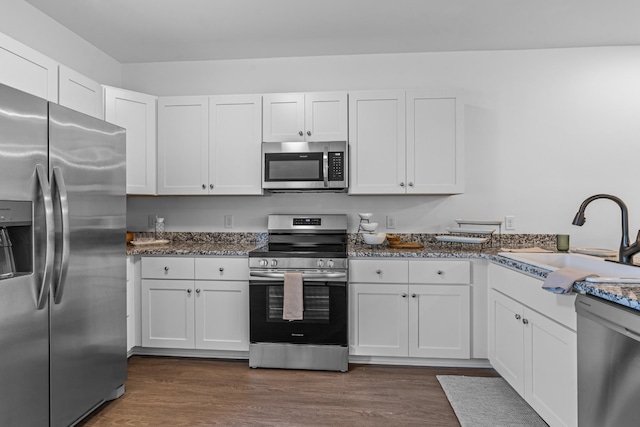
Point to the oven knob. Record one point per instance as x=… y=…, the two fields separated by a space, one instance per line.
x=263 y=263
x=330 y=263
x=274 y=262
x=320 y=263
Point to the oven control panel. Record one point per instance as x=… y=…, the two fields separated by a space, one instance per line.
x=307 y=221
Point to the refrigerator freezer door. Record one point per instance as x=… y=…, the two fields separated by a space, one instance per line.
x=88 y=304
x=24 y=329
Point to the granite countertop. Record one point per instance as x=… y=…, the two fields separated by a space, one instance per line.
x=623 y=294
x=193 y=248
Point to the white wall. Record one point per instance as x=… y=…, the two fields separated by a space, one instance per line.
x=544 y=130
x=26 y=24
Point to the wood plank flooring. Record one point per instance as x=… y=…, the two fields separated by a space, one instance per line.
x=166 y=391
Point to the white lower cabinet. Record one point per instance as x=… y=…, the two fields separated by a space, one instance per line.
x=195 y=303
x=398 y=309
x=533 y=352
x=131 y=318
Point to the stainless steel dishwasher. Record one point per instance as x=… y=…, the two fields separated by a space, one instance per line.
x=608 y=363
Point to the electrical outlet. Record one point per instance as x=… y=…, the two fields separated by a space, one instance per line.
x=509 y=222
x=391 y=221
x=228 y=221
x=152 y=221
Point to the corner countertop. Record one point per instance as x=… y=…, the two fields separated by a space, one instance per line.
x=623 y=294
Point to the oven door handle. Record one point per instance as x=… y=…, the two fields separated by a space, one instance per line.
x=279 y=275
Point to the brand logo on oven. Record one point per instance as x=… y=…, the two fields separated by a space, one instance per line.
x=297 y=335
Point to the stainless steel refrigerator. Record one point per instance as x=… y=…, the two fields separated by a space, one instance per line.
x=62 y=282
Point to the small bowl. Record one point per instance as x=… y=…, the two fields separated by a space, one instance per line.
x=374 y=238
x=365 y=215
x=372 y=226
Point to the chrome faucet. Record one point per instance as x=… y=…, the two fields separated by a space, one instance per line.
x=626 y=252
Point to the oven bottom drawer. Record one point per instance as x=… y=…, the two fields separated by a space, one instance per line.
x=299 y=356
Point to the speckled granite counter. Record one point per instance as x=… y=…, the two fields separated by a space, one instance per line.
x=193 y=249
x=240 y=244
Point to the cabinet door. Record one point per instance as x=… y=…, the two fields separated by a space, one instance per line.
x=377 y=140
x=551 y=382
x=222 y=315
x=27 y=70
x=283 y=117
x=439 y=321
x=183 y=145
x=435 y=143
x=506 y=339
x=168 y=313
x=136 y=112
x=80 y=93
x=326 y=116
x=235 y=165
x=379 y=320
x=131 y=324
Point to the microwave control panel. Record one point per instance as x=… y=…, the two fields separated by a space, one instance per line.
x=336 y=166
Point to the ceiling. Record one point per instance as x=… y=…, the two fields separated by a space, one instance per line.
x=178 y=30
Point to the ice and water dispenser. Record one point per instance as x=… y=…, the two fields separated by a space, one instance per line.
x=16 y=238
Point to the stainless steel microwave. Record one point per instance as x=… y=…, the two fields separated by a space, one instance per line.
x=305 y=166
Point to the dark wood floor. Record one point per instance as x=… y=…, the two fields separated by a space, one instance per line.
x=165 y=391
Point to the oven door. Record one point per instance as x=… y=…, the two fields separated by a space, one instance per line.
x=324 y=316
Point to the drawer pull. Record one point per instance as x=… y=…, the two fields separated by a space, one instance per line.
x=378 y=271
x=166 y=269
x=440 y=272
x=221 y=269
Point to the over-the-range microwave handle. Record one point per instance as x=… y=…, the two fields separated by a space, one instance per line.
x=49 y=223
x=280 y=275
x=325 y=166
x=59 y=187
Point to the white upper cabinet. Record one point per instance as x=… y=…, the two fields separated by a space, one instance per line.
x=210 y=145
x=80 y=93
x=319 y=116
x=435 y=143
x=406 y=142
x=27 y=70
x=183 y=145
x=235 y=136
x=377 y=140
x=136 y=112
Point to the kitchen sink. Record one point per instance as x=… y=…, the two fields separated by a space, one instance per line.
x=608 y=271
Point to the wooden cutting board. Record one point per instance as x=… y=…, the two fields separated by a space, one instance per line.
x=406 y=245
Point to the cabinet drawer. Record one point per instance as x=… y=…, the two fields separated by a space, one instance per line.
x=167 y=268
x=451 y=272
x=222 y=268
x=378 y=271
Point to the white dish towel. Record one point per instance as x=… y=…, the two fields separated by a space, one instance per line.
x=561 y=281
x=293 y=305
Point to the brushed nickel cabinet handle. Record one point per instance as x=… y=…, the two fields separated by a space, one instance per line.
x=300 y=133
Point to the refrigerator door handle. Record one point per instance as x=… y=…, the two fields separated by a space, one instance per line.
x=61 y=189
x=50 y=236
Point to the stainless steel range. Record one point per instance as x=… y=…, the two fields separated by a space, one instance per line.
x=315 y=247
